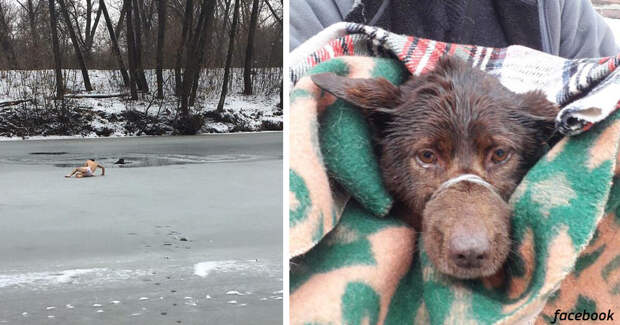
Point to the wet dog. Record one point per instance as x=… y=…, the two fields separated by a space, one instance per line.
x=454 y=143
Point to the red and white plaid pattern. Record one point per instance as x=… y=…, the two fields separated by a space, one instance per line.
x=588 y=90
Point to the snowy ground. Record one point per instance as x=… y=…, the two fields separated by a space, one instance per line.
x=247 y=113
x=188 y=231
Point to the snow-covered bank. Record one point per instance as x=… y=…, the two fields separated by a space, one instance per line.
x=69 y=137
x=36 y=114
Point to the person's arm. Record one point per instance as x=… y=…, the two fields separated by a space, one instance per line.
x=308 y=17
x=102 y=169
x=574 y=30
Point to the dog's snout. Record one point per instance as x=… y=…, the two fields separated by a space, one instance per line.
x=469 y=248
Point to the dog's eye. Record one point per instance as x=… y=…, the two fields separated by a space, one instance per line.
x=500 y=155
x=427 y=156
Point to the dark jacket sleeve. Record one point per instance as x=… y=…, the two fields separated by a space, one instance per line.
x=573 y=29
x=308 y=17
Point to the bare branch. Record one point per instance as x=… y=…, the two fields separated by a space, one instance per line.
x=273 y=12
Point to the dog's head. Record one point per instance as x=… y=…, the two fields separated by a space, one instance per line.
x=454 y=145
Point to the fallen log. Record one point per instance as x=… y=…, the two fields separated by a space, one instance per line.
x=14 y=102
x=96 y=95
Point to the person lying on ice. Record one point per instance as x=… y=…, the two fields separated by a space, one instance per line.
x=87 y=170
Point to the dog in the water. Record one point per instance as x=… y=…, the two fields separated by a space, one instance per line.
x=454 y=143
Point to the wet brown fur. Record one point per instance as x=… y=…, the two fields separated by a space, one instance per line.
x=463 y=115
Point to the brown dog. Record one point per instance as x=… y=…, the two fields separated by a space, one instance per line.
x=454 y=145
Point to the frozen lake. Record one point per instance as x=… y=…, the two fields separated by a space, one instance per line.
x=188 y=231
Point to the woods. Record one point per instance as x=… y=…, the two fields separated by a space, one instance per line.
x=139 y=40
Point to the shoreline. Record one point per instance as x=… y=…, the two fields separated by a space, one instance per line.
x=81 y=137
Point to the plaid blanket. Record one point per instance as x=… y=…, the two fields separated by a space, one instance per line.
x=352 y=263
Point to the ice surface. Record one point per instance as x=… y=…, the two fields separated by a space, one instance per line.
x=73 y=243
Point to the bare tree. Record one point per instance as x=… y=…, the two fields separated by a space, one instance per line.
x=194 y=53
x=90 y=30
x=161 y=35
x=220 y=40
x=55 y=49
x=187 y=25
x=138 y=47
x=249 y=51
x=146 y=18
x=273 y=49
x=5 y=39
x=121 y=19
x=130 y=50
x=231 y=47
x=76 y=45
x=31 y=11
x=205 y=36
x=115 y=47
x=273 y=12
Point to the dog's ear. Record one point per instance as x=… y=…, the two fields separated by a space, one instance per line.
x=373 y=95
x=537 y=104
x=539 y=113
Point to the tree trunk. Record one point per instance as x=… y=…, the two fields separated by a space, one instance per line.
x=281 y=103
x=89 y=16
x=188 y=124
x=147 y=52
x=220 y=41
x=202 y=42
x=188 y=71
x=5 y=40
x=76 y=46
x=187 y=24
x=138 y=49
x=119 y=24
x=34 y=36
x=195 y=53
x=273 y=12
x=56 y=50
x=231 y=47
x=249 y=51
x=115 y=47
x=130 y=51
x=161 y=35
x=90 y=37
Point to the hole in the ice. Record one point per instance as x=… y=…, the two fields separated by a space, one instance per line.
x=49 y=153
x=130 y=161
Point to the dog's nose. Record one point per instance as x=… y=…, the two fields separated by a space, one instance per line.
x=469 y=250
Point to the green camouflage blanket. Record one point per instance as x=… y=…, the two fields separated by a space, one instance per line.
x=351 y=263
